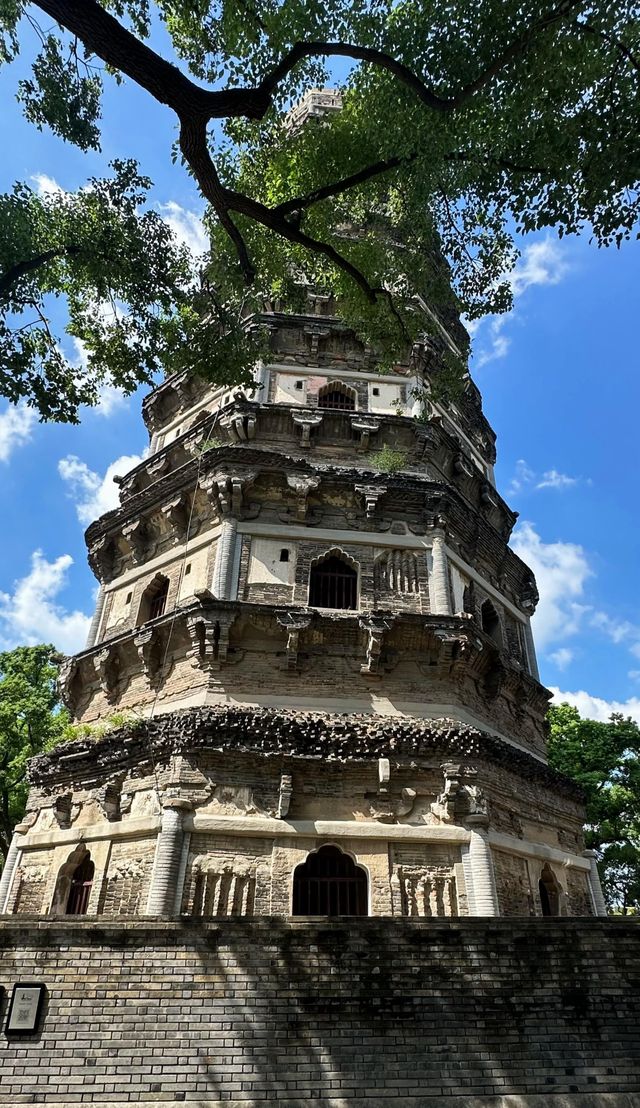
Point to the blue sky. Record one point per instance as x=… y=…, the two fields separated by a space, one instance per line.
x=560 y=382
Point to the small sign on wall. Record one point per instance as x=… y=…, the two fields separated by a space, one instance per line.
x=25 y=1008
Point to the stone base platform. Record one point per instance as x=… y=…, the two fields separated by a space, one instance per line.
x=343 y=1013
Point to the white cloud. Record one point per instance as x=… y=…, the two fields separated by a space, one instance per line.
x=93 y=493
x=541 y=263
x=595 y=707
x=554 y=480
x=561 y=658
x=187 y=227
x=46 y=186
x=526 y=478
x=16 y=427
x=561 y=570
x=30 y=614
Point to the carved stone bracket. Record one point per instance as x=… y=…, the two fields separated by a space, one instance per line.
x=148 y=643
x=284 y=795
x=227 y=491
x=107 y=666
x=306 y=420
x=101 y=557
x=158 y=466
x=293 y=623
x=365 y=428
x=488 y=496
x=436 y=509
x=67 y=683
x=462 y=465
x=239 y=425
x=209 y=639
x=427 y=439
x=461 y=799
x=302 y=486
x=176 y=514
x=371 y=494
x=375 y=628
x=315 y=334
x=136 y=534
x=127 y=485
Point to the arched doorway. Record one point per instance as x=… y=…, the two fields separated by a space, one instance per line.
x=490 y=621
x=80 y=889
x=329 y=883
x=333 y=583
x=549 y=892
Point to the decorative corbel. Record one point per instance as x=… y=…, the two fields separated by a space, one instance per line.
x=177 y=517
x=127 y=485
x=302 y=486
x=202 y=635
x=227 y=491
x=371 y=494
x=67 y=683
x=365 y=427
x=462 y=465
x=106 y=664
x=136 y=534
x=293 y=623
x=488 y=496
x=158 y=466
x=306 y=420
x=284 y=795
x=239 y=425
x=427 y=439
x=149 y=646
x=436 y=509
x=376 y=628
x=101 y=558
x=314 y=335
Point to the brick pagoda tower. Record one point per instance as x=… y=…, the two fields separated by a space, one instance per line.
x=310 y=615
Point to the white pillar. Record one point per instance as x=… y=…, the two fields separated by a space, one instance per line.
x=225 y=551
x=163 y=893
x=531 y=651
x=10 y=866
x=485 y=897
x=439 y=591
x=594 y=883
x=97 y=616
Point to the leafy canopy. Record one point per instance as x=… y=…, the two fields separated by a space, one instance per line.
x=460 y=119
x=604 y=758
x=31 y=720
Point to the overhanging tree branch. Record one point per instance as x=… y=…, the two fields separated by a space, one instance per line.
x=10 y=278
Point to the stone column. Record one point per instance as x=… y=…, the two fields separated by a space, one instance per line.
x=485 y=897
x=439 y=591
x=225 y=551
x=261 y=378
x=594 y=882
x=163 y=893
x=10 y=866
x=531 y=651
x=97 y=616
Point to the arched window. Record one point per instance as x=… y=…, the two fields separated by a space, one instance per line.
x=329 y=883
x=490 y=621
x=80 y=889
x=549 y=892
x=337 y=396
x=154 y=599
x=333 y=583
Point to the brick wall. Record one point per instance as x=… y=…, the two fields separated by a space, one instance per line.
x=344 y=1013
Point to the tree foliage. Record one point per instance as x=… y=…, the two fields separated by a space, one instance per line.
x=459 y=120
x=604 y=758
x=31 y=720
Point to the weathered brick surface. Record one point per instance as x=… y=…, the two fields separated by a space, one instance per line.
x=348 y=1012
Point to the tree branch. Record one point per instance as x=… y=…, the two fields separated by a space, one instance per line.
x=343 y=185
x=613 y=40
x=13 y=275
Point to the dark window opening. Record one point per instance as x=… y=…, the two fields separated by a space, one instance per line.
x=80 y=891
x=329 y=883
x=298 y=384
x=284 y=555
x=187 y=568
x=549 y=893
x=338 y=398
x=490 y=621
x=128 y=600
x=158 y=602
x=376 y=392
x=333 y=584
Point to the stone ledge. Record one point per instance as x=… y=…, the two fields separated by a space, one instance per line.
x=568 y=1100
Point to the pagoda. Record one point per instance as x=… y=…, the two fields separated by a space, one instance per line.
x=310 y=685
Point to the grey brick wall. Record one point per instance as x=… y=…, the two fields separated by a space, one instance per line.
x=346 y=1012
